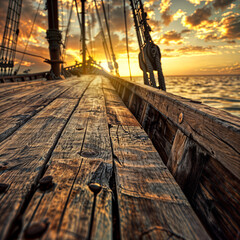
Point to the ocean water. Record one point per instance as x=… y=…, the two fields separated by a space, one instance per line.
x=221 y=92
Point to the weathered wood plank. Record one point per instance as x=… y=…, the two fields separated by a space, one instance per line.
x=20 y=111
x=215 y=130
x=76 y=90
x=204 y=157
x=160 y=130
x=149 y=199
x=186 y=163
x=117 y=112
x=82 y=155
x=19 y=92
x=13 y=99
x=24 y=155
x=217 y=199
x=15 y=86
x=96 y=167
x=151 y=204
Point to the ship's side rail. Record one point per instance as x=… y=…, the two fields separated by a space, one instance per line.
x=201 y=147
x=23 y=77
x=70 y=70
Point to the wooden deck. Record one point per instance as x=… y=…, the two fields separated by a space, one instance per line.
x=80 y=132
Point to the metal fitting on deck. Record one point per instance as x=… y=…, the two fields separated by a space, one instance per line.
x=95 y=188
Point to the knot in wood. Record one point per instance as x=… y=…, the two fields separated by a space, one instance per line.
x=46 y=182
x=36 y=230
x=3 y=167
x=95 y=187
x=89 y=154
x=3 y=187
x=180 y=118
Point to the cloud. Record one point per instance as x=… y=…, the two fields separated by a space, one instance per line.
x=155 y=25
x=171 y=37
x=199 y=16
x=197 y=2
x=222 y=4
x=178 y=14
x=196 y=49
x=165 y=5
x=3 y=13
x=232 y=6
x=117 y=19
x=227 y=28
x=233 y=68
x=227 y=14
x=230 y=27
x=188 y=51
x=185 y=31
x=231 y=41
x=166 y=16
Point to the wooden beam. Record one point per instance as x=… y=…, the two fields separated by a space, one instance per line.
x=200 y=145
x=151 y=204
x=217 y=131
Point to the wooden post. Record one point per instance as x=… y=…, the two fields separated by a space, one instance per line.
x=83 y=37
x=54 y=37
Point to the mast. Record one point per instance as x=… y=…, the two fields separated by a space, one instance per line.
x=54 y=38
x=83 y=37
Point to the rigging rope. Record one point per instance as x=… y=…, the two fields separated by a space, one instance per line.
x=26 y=53
x=25 y=49
x=67 y=31
x=110 y=39
x=90 y=30
x=107 y=54
x=93 y=32
x=80 y=25
x=126 y=33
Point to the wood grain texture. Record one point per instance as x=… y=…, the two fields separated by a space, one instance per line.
x=16 y=86
x=186 y=163
x=90 y=136
x=117 y=112
x=82 y=155
x=202 y=152
x=20 y=107
x=217 y=131
x=96 y=167
x=25 y=154
x=217 y=199
x=151 y=204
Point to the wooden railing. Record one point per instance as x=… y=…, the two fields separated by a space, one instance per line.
x=201 y=147
x=74 y=69
x=23 y=77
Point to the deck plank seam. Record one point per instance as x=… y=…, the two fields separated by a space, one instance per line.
x=112 y=184
x=70 y=191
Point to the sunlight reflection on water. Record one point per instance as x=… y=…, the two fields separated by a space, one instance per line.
x=221 y=92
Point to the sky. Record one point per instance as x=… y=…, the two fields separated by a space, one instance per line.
x=196 y=37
